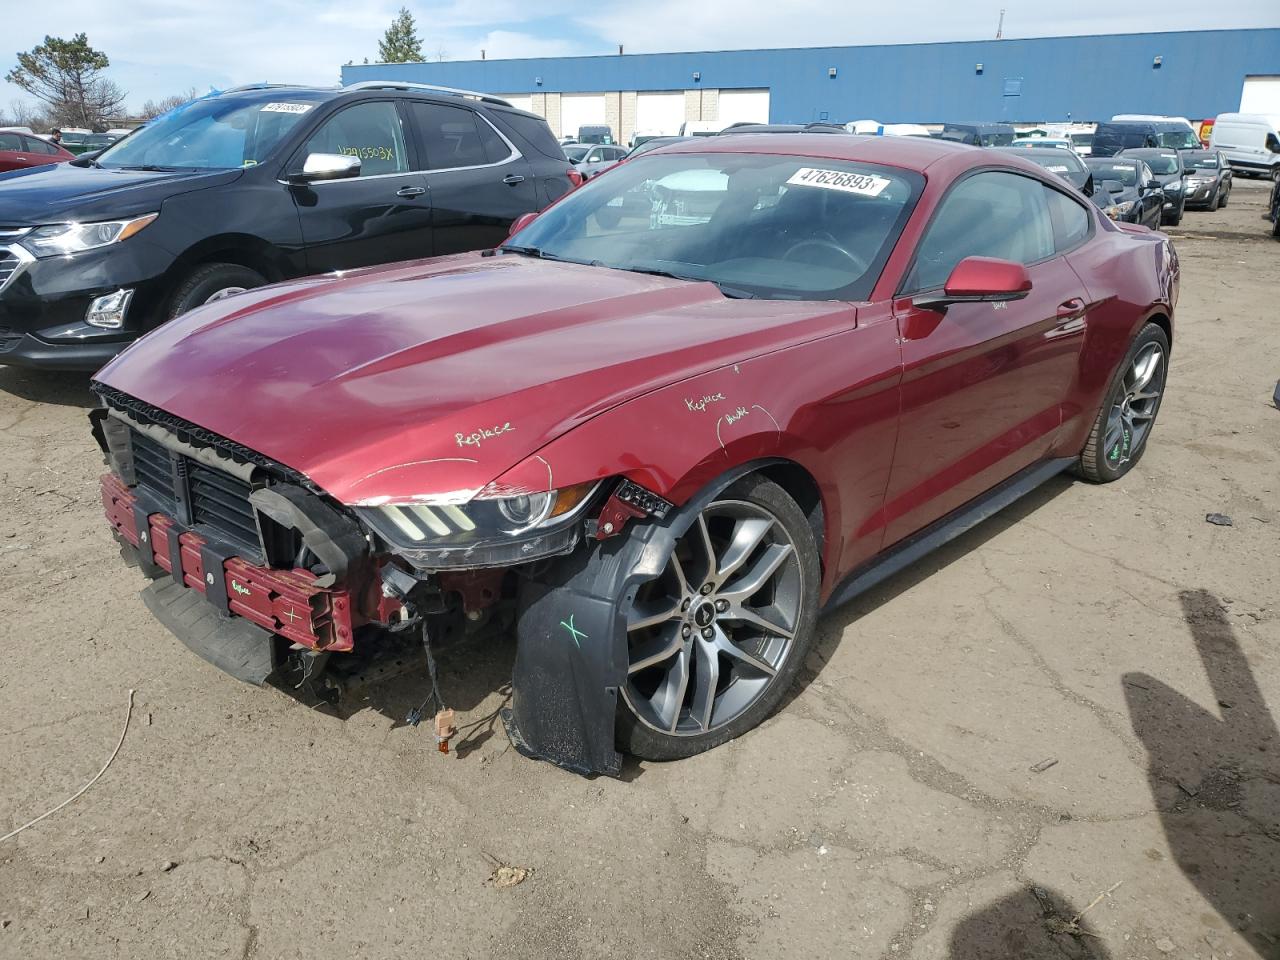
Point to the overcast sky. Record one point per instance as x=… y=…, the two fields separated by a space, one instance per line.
x=159 y=47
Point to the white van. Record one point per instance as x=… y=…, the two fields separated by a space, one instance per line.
x=701 y=128
x=1250 y=142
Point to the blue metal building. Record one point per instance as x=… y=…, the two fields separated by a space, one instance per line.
x=1196 y=74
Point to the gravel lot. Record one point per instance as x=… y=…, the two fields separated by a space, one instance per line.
x=891 y=809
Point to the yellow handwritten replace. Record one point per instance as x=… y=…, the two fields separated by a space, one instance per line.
x=477 y=437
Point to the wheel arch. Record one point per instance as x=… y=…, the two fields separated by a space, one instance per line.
x=1162 y=320
x=242 y=249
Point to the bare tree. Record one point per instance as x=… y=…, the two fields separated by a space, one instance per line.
x=153 y=108
x=23 y=113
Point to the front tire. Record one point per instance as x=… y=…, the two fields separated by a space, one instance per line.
x=1128 y=415
x=715 y=641
x=211 y=282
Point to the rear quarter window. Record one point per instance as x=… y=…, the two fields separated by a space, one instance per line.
x=1071 y=222
x=530 y=129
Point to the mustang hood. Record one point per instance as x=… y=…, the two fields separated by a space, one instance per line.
x=425 y=381
x=59 y=192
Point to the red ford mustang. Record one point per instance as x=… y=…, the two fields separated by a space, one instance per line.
x=708 y=395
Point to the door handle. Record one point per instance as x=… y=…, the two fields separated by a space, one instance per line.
x=1069 y=309
x=411 y=191
x=513 y=179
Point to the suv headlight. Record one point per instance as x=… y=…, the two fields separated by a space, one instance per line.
x=62 y=238
x=483 y=532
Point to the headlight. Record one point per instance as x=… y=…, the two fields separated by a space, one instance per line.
x=1124 y=206
x=1172 y=187
x=1195 y=183
x=63 y=238
x=494 y=532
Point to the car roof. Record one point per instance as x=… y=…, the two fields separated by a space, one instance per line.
x=1032 y=152
x=1145 y=152
x=275 y=91
x=909 y=153
x=1110 y=160
x=1146 y=124
x=980 y=124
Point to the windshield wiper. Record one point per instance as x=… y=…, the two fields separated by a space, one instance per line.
x=526 y=251
x=736 y=293
x=150 y=168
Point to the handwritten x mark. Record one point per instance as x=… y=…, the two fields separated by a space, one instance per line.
x=574 y=632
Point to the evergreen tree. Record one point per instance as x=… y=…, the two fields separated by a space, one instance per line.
x=401 y=43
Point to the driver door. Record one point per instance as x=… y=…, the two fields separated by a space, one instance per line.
x=983 y=383
x=381 y=216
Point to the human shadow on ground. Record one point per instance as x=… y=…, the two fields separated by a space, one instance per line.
x=1033 y=923
x=1215 y=776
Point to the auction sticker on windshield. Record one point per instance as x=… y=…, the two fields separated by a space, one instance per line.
x=286 y=107
x=867 y=184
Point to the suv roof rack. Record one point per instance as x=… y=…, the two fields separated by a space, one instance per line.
x=257 y=86
x=431 y=87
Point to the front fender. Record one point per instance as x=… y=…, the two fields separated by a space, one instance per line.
x=571 y=652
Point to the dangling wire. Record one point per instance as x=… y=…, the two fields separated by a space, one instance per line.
x=415 y=716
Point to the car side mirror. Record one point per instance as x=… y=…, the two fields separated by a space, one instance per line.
x=980 y=280
x=1154 y=185
x=327 y=166
x=520 y=222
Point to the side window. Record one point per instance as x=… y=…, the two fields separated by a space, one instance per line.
x=495 y=148
x=370 y=131
x=1070 y=221
x=987 y=215
x=10 y=141
x=36 y=145
x=450 y=136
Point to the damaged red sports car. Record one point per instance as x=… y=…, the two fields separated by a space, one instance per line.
x=708 y=395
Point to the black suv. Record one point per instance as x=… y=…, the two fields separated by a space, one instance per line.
x=1113 y=136
x=253 y=186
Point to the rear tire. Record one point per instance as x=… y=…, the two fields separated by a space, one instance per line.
x=692 y=685
x=210 y=282
x=1128 y=415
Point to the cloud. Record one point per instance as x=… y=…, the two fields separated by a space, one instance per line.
x=160 y=47
x=671 y=25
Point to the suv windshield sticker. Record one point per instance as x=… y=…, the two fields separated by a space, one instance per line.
x=864 y=183
x=286 y=107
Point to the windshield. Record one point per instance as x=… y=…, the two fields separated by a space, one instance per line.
x=1063 y=163
x=575 y=154
x=757 y=225
x=1178 y=140
x=1163 y=164
x=1204 y=163
x=1126 y=173
x=1082 y=139
x=218 y=133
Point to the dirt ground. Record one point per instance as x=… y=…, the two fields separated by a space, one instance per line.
x=891 y=808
